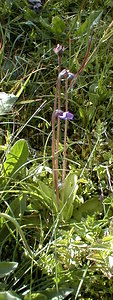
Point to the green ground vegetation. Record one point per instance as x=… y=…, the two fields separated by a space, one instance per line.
x=50 y=251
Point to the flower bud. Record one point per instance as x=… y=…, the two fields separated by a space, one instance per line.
x=59 y=49
x=63 y=74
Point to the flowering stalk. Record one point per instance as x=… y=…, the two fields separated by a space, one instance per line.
x=55 y=173
x=59 y=114
x=58 y=50
x=59 y=105
x=65 y=134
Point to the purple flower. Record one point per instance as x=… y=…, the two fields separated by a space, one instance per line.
x=70 y=76
x=63 y=74
x=35 y=5
x=66 y=115
x=58 y=112
x=63 y=115
x=66 y=74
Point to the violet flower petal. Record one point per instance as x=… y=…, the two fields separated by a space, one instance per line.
x=58 y=113
x=66 y=116
x=66 y=74
x=70 y=76
x=63 y=74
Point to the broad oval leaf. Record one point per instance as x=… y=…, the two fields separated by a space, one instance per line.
x=7 y=102
x=58 y=25
x=88 y=208
x=16 y=157
x=61 y=294
x=49 y=197
x=70 y=189
x=9 y=296
x=7 y=267
x=35 y=296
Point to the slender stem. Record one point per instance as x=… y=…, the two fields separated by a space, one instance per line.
x=55 y=102
x=59 y=105
x=53 y=146
x=65 y=134
x=53 y=136
x=55 y=169
x=58 y=127
x=55 y=149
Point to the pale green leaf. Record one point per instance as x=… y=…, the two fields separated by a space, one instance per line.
x=9 y=296
x=58 y=25
x=61 y=294
x=92 y=20
x=7 y=267
x=88 y=208
x=16 y=157
x=48 y=195
x=35 y=296
x=69 y=192
x=7 y=102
